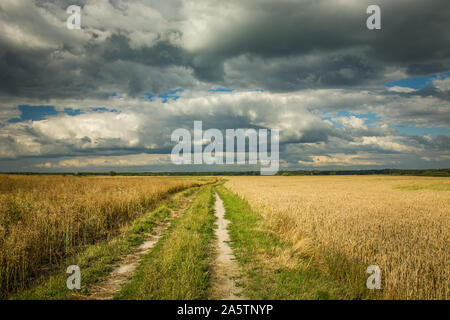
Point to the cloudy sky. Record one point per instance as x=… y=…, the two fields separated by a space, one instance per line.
x=108 y=96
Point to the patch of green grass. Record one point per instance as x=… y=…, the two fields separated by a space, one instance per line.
x=433 y=187
x=98 y=260
x=190 y=192
x=266 y=275
x=178 y=266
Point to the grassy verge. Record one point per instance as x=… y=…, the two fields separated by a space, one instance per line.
x=271 y=270
x=98 y=260
x=178 y=266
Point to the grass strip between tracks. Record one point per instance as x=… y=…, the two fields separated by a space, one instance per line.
x=178 y=267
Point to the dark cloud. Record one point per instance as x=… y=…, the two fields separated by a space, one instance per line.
x=278 y=35
x=439 y=143
x=415 y=35
x=161 y=54
x=271 y=38
x=312 y=58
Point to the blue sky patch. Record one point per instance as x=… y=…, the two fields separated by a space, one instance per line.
x=221 y=90
x=102 y=109
x=418 y=82
x=165 y=96
x=369 y=118
x=72 y=112
x=34 y=113
x=38 y=113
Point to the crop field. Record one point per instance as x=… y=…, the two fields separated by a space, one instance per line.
x=44 y=219
x=400 y=224
x=163 y=238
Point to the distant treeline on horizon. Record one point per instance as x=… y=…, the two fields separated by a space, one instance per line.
x=406 y=172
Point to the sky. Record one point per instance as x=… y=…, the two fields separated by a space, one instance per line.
x=108 y=96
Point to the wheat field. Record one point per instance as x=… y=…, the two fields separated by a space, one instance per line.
x=399 y=223
x=44 y=219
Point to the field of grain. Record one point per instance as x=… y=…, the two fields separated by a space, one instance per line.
x=44 y=219
x=400 y=224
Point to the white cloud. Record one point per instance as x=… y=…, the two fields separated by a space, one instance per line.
x=26 y=25
x=145 y=126
x=442 y=84
x=401 y=89
x=388 y=143
x=351 y=122
x=96 y=126
x=143 y=23
x=340 y=159
x=109 y=161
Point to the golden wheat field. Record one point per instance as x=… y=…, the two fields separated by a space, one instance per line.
x=44 y=219
x=400 y=224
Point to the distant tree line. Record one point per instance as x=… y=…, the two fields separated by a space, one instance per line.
x=396 y=172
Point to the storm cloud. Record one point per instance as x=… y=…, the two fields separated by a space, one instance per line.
x=137 y=70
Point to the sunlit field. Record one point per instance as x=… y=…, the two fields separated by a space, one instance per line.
x=313 y=236
x=347 y=223
x=44 y=219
